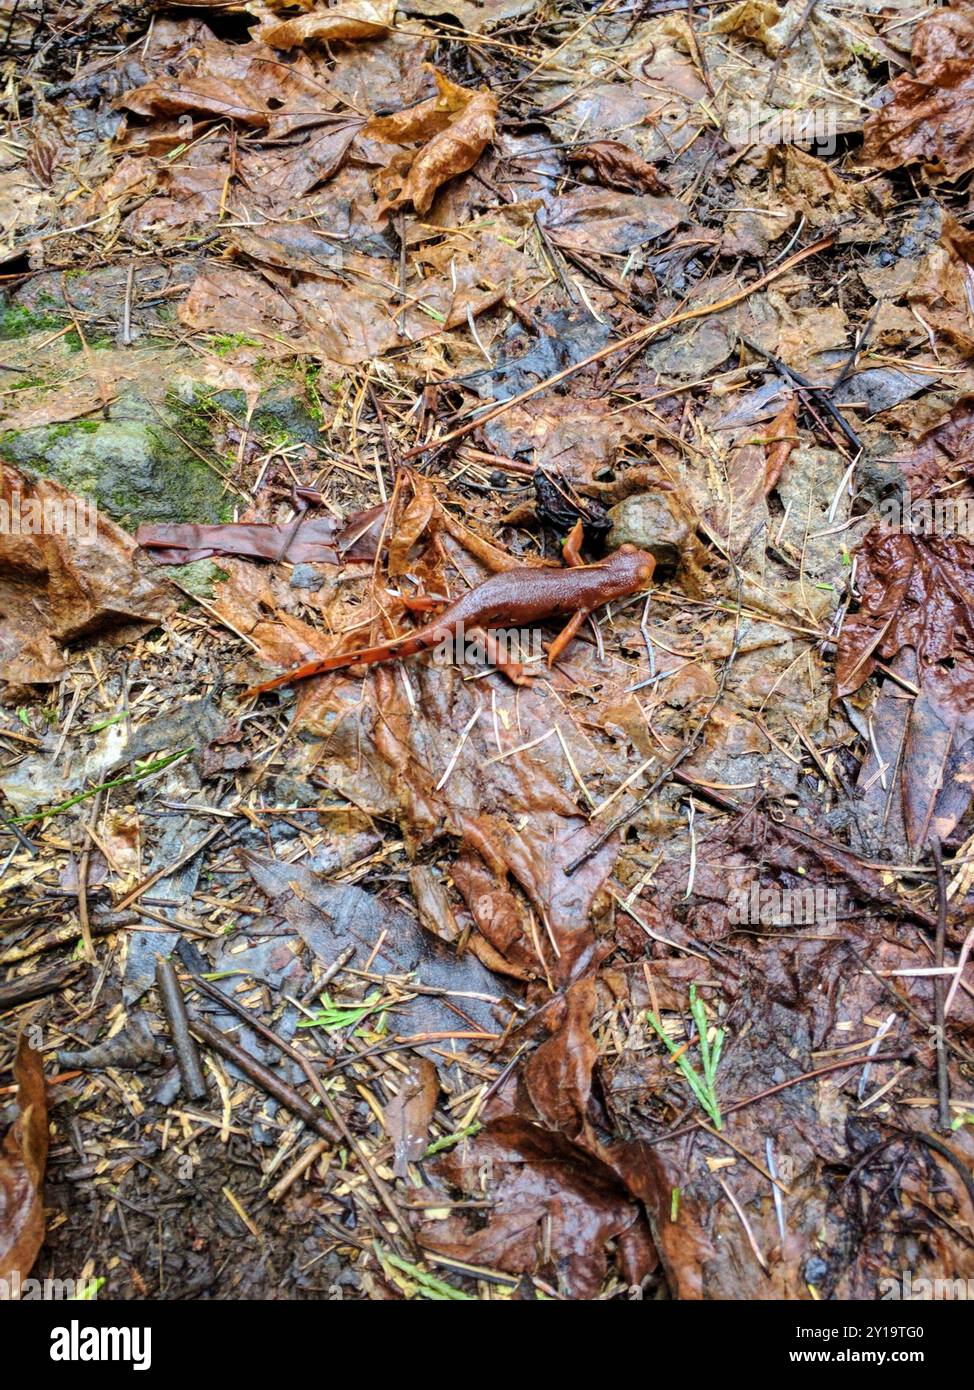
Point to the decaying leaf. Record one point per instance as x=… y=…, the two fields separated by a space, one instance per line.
x=943 y=286
x=66 y=573
x=617 y=166
x=754 y=20
x=914 y=591
x=23 y=1157
x=451 y=152
x=538 y=1183
x=408 y=1114
x=781 y=436
x=426 y=118
x=916 y=594
x=930 y=117
x=344 y=21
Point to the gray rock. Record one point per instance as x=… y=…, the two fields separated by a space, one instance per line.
x=134 y=465
x=650 y=521
x=306 y=577
x=280 y=415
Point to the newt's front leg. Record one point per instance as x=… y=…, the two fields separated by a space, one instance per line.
x=566 y=635
x=572 y=551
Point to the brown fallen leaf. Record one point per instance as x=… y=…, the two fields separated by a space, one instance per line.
x=71 y=575
x=319 y=539
x=916 y=592
x=346 y=21
x=211 y=96
x=917 y=597
x=617 y=166
x=930 y=118
x=554 y=1209
x=411 y=526
x=943 y=285
x=407 y=1116
x=426 y=118
x=453 y=151
x=755 y=20
x=23 y=1157
x=780 y=438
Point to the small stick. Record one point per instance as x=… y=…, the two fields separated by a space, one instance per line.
x=187 y=1053
x=820 y=393
x=65 y=935
x=296 y=1055
x=336 y=967
x=84 y=868
x=310 y=1156
x=38 y=984
x=742 y=1217
x=267 y=1080
x=787 y=47
x=939 y=991
x=127 y=310
x=179 y=862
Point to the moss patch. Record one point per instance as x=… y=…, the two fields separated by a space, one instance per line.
x=199 y=577
x=18 y=322
x=136 y=471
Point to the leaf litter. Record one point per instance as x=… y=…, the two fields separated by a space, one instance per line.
x=609 y=981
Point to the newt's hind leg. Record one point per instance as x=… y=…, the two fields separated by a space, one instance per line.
x=421 y=603
x=566 y=635
x=496 y=653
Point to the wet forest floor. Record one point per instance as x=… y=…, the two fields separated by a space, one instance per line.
x=643 y=973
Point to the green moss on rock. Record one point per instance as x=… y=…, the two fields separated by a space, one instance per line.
x=135 y=469
x=199 y=577
x=19 y=322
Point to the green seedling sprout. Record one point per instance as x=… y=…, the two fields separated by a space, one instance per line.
x=703 y=1087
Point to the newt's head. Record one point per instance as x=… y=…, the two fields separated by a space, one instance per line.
x=632 y=567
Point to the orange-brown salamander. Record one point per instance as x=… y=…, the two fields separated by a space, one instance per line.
x=513 y=598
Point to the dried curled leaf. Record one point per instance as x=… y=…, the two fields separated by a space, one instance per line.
x=412 y=525
x=347 y=21
x=426 y=119
x=754 y=20
x=455 y=150
x=206 y=95
x=617 y=166
x=23 y=1157
x=930 y=119
x=780 y=438
x=916 y=611
x=915 y=592
x=62 y=587
x=408 y=1114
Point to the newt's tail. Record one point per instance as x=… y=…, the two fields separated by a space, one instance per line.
x=363 y=656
